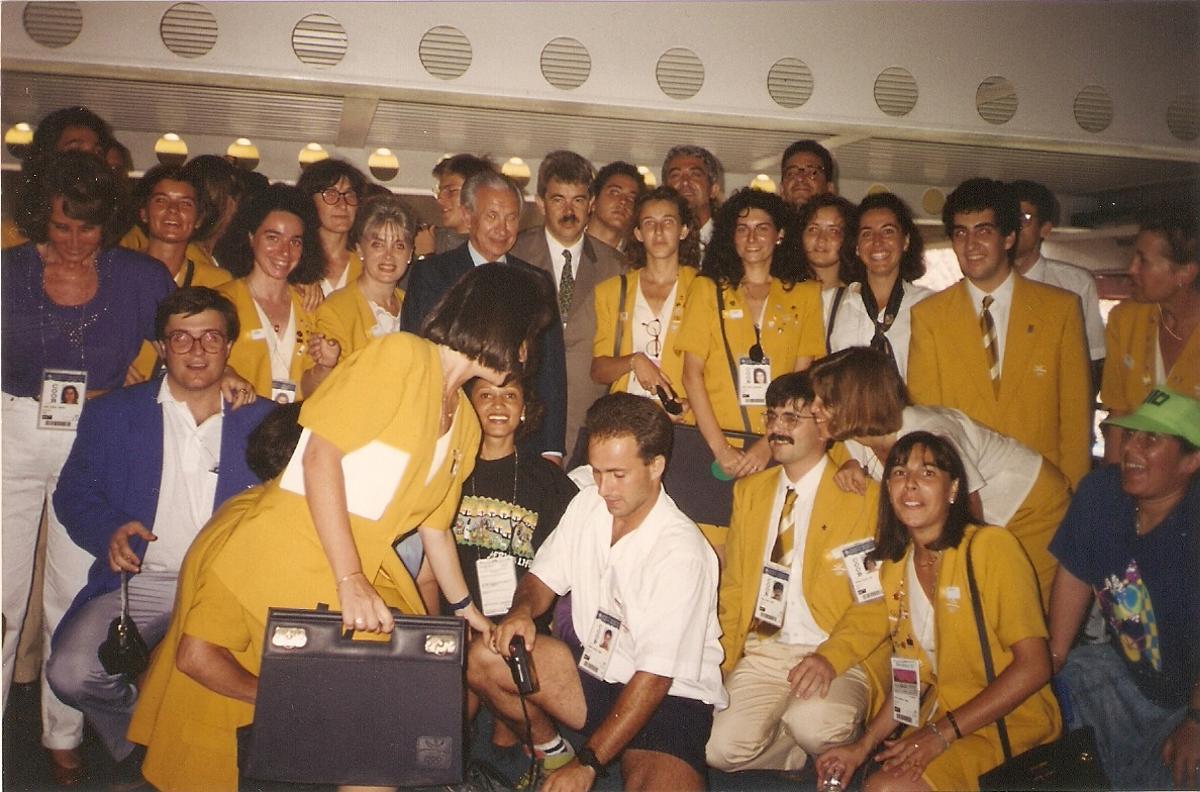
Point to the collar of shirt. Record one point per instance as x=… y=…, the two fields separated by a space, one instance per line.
x=556 y=254
x=478 y=258
x=806 y=486
x=1038 y=271
x=1001 y=295
x=706 y=231
x=166 y=397
x=201 y=444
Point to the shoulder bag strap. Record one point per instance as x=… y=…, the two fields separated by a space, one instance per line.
x=988 y=669
x=191 y=272
x=620 y=319
x=833 y=311
x=733 y=372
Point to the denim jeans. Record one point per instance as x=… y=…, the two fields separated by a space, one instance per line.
x=1130 y=729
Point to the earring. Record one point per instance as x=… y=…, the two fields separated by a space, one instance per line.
x=522 y=416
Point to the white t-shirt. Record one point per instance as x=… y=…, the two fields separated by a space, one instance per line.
x=644 y=319
x=853 y=327
x=188 y=487
x=660 y=579
x=1079 y=281
x=1002 y=470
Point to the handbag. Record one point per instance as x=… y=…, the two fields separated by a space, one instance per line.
x=1070 y=762
x=124 y=651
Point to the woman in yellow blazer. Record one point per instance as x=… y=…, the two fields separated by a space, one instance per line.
x=335 y=188
x=278 y=248
x=925 y=542
x=746 y=313
x=369 y=307
x=387 y=443
x=663 y=255
x=1153 y=339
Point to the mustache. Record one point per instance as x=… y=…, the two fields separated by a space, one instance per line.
x=569 y=218
x=779 y=438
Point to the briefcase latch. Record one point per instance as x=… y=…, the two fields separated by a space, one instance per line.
x=289 y=637
x=441 y=644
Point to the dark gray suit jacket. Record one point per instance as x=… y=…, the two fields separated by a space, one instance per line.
x=432 y=277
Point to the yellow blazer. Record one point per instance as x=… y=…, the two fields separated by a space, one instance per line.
x=792 y=327
x=250 y=356
x=1131 y=339
x=346 y=317
x=136 y=239
x=608 y=298
x=1045 y=395
x=190 y=731
x=838 y=518
x=1012 y=611
x=385 y=400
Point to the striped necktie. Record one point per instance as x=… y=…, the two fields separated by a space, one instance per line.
x=987 y=328
x=786 y=537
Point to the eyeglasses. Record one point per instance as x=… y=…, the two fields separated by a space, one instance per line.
x=331 y=196
x=654 y=345
x=802 y=172
x=182 y=342
x=786 y=421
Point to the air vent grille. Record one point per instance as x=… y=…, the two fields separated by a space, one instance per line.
x=680 y=73
x=790 y=82
x=996 y=100
x=445 y=52
x=320 y=40
x=1183 y=117
x=896 y=91
x=52 y=25
x=1093 y=109
x=188 y=29
x=566 y=63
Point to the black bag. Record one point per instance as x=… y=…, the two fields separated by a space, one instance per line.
x=1070 y=762
x=124 y=651
x=333 y=710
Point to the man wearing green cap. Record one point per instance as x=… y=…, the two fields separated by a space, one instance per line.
x=1131 y=540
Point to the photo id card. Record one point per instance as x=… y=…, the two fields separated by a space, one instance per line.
x=601 y=641
x=863 y=573
x=497 y=576
x=63 y=393
x=906 y=690
x=283 y=391
x=753 y=379
x=772 y=594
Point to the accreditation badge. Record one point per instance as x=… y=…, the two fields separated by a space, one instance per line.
x=601 y=641
x=283 y=391
x=906 y=690
x=61 y=400
x=753 y=379
x=772 y=594
x=863 y=572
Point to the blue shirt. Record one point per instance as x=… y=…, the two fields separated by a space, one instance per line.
x=1148 y=586
x=101 y=337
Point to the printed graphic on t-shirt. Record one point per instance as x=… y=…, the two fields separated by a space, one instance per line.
x=493 y=524
x=1125 y=601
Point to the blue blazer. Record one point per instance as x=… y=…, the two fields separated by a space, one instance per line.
x=114 y=471
x=432 y=277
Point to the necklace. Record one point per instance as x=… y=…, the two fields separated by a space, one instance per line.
x=1162 y=320
x=937 y=555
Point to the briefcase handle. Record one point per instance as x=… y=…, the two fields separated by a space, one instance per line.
x=289 y=630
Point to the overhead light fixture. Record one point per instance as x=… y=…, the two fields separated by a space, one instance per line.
x=517 y=170
x=383 y=164
x=18 y=138
x=648 y=176
x=243 y=153
x=313 y=152
x=171 y=149
x=763 y=182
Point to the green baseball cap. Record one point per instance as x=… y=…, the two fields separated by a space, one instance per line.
x=1165 y=412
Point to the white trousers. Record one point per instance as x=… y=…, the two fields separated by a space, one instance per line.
x=32 y=460
x=766 y=727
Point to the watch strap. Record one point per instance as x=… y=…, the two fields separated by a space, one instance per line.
x=587 y=758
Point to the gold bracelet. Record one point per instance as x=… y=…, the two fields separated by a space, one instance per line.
x=342 y=580
x=933 y=728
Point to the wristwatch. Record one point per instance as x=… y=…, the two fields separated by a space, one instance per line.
x=587 y=758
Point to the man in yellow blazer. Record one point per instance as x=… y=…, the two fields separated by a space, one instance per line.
x=794 y=582
x=1036 y=388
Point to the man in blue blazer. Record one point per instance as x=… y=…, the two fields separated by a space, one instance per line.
x=149 y=466
x=493 y=203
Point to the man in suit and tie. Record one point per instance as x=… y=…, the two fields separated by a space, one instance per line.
x=493 y=204
x=1006 y=350
x=576 y=263
x=792 y=671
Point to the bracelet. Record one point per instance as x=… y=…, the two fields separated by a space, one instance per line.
x=953 y=724
x=933 y=728
x=462 y=603
x=343 y=579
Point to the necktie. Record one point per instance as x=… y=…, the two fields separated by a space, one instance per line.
x=566 y=287
x=786 y=537
x=987 y=329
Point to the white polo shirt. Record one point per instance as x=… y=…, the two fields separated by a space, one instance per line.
x=660 y=580
x=1078 y=281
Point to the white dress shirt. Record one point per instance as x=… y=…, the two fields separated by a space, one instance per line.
x=799 y=626
x=1000 y=308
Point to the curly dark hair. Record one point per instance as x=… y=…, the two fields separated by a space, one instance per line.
x=891 y=537
x=534 y=409
x=143 y=189
x=849 y=213
x=278 y=197
x=912 y=261
x=51 y=128
x=721 y=261
x=689 y=246
x=89 y=191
